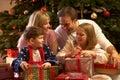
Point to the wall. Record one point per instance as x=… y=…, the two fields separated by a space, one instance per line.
x=5 y=5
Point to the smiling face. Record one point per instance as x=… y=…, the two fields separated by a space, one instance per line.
x=67 y=24
x=85 y=36
x=46 y=25
x=81 y=36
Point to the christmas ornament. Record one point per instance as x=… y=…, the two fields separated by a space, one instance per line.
x=106 y=13
x=93 y=15
x=11 y=11
x=14 y=27
x=1 y=32
x=43 y=9
x=21 y=0
x=34 y=0
x=26 y=12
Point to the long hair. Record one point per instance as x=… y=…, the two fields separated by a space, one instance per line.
x=38 y=18
x=91 y=36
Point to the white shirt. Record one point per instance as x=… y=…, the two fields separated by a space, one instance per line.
x=100 y=53
x=63 y=36
x=36 y=55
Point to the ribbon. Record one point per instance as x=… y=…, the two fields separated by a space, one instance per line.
x=78 y=60
x=52 y=73
x=31 y=56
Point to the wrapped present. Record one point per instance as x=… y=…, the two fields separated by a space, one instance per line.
x=83 y=64
x=4 y=65
x=106 y=68
x=36 y=72
x=72 y=76
x=12 y=53
x=9 y=60
x=6 y=72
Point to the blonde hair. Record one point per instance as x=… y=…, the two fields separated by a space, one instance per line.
x=38 y=18
x=91 y=36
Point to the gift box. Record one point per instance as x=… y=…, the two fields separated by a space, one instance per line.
x=6 y=72
x=72 y=76
x=82 y=64
x=12 y=53
x=36 y=72
x=106 y=68
x=9 y=60
x=4 y=65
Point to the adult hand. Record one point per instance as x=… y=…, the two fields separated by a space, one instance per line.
x=115 y=59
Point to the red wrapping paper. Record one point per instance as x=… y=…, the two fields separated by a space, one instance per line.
x=72 y=76
x=12 y=53
x=6 y=72
x=106 y=68
x=2 y=65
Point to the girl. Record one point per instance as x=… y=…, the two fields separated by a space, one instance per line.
x=41 y=20
x=86 y=40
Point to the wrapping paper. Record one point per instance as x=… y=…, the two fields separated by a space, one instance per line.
x=106 y=68
x=12 y=53
x=3 y=65
x=72 y=76
x=85 y=65
x=6 y=72
x=9 y=60
x=36 y=72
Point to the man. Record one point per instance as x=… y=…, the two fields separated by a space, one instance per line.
x=68 y=24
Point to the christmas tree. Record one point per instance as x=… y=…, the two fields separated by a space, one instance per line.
x=104 y=12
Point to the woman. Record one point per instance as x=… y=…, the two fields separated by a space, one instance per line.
x=41 y=19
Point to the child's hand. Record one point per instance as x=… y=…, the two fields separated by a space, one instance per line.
x=46 y=65
x=76 y=50
x=24 y=65
x=88 y=53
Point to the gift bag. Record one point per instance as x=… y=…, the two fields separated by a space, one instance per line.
x=83 y=64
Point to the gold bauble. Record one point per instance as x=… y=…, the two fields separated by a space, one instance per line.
x=93 y=15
